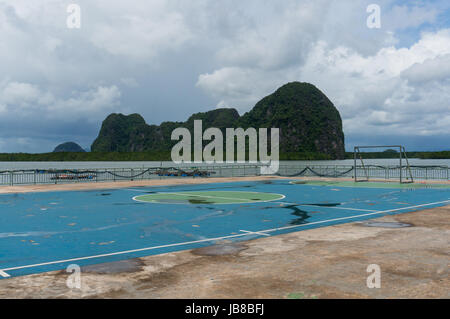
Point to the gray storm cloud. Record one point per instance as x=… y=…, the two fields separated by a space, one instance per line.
x=169 y=59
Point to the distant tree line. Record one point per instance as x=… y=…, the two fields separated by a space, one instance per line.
x=166 y=156
x=395 y=154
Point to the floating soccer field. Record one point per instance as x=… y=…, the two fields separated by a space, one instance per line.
x=47 y=231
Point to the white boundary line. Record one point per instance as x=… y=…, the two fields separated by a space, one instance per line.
x=254 y=232
x=342 y=208
x=219 y=238
x=123 y=252
x=355 y=216
x=4 y=274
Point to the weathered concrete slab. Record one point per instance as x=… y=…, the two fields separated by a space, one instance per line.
x=328 y=262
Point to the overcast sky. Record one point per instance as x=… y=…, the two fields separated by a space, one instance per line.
x=167 y=59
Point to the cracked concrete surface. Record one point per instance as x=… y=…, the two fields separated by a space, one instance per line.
x=328 y=262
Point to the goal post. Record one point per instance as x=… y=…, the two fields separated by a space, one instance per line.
x=403 y=158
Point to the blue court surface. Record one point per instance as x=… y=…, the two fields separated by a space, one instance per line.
x=47 y=231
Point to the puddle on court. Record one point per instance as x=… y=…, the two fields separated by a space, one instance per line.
x=220 y=250
x=199 y=201
x=116 y=267
x=205 y=207
x=302 y=215
x=386 y=224
x=295 y=211
x=325 y=204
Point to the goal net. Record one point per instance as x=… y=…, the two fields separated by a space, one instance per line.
x=366 y=166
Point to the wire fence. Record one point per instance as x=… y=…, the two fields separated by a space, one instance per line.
x=53 y=176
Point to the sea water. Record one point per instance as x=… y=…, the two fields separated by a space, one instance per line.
x=94 y=165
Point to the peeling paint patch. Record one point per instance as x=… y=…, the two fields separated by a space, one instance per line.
x=107 y=243
x=220 y=250
x=123 y=266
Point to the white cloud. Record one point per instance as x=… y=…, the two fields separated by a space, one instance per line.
x=141 y=37
x=275 y=41
x=25 y=99
x=396 y=90
x=228 y=53
x=87 y=104
x=20 y=93
x=375 y=93
x=436 y=69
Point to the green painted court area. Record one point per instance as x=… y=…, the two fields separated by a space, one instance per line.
x=210 y=197
x=373 y=184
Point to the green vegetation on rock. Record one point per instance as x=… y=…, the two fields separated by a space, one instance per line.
x=68 y=147
x=308 y=121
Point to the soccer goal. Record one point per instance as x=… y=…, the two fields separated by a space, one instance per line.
x=363 y=172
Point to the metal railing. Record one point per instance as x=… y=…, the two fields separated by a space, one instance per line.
x=63 y=176
x=371 y=171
